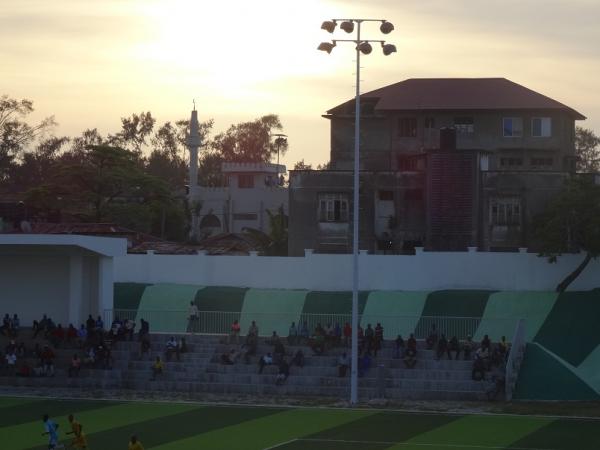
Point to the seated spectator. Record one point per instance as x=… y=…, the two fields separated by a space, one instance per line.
x=128 y=329
x=304 y=333
x=432 y=338
x=486 y=343
x=116 y=329
x=503 y=346
x=82 y=335
x=234 y=335
x=11 y=347
x=171 y=348
x=47 y=358
x=253 y=330
x=478 y=370
x=274 y=339
x=298 y=359
x=57 y=336
x=292 y=334
x=364 y=364
x=103 y=355
x=410 y=355
x=369 y=338
x=442 y=346
x=266 y=360
x=378 y=340
x=75 y=366
x=283 y=372
x=278 y=351
x=399 y=347
x=157 y=368
x=230 y=358
x=99 y=324
x=319 y=330
x=347 y=334
x=249 y=347
x=11 y=362
x=453 y=346
x=468 y=347
x=144 y=347
x=90 y=357
x=318 y=344
x=343 y=364
x=144 y=329
x=483 y=354
x=71 y=334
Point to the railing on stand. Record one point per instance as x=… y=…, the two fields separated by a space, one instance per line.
x=515 y=358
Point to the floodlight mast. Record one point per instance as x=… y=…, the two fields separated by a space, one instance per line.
x=362 y=46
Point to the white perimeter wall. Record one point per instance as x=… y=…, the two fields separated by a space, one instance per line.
x=424 y=271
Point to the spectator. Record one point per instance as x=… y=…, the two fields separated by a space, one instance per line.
x=75 y=366
x=486 y=343
x=478 y=370
x=183 y=348
x=304 y=333
x=410 y=355
x=193 y=318
x=11 y=362
x=468 y=347
x=171 y=348
x=343 y=364
x=57 y=336
x=128 y=329
x=283 y=373
x=116 y=329
x=71 y=334
x=11 y=347
x=318 y=343
x=278 y=351
x=99 y=324
x=249 y=347
x=337 y=334
x=82 y=335
x=235 y=332
x=364 y=364
x=274 y=339
x=144 y=329
x=369 y=338
x=503 y=347
x=361 y=337
x=483 y=354
x=21 y=350
x=329 y=334
x=90 y=323
x=230 y=358
x=298 y=359
x=144 y=347
x=157 y=368
x=347 y=334
x=25 y=370
x=90 y=357
x=253 y=330
x=292 y=334
x=442 y=346
x=432 y=337
x=39 y=326
x=399 y=347
x=47 y=358
x=16 y=325
x=266 y=360
x=5 y=328
x=453 y=346
x=378 y=338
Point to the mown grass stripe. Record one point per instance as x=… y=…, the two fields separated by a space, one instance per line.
x=112 y=415
x=563 y=434
x=267 y=431
x=385 y=426
x=7 y=402
x=476 y=432
x=27 y=412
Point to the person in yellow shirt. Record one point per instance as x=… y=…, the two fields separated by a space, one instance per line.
x=134 y=444
x=79 y=441
x=157 y=368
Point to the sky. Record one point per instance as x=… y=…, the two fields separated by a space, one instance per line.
x=91 y=62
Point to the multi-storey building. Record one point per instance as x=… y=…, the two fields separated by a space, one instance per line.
x=445 y=164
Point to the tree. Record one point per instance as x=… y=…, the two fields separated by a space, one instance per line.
x=571 y=223
x=250 y=141
x=134 y=131
x=209 y=170
x=276 y=242
x=587 y=149
x=300 y=165
x=15 y=133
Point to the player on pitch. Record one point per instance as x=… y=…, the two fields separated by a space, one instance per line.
x=79 y=441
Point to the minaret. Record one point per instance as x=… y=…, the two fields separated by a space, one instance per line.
x=193 y=143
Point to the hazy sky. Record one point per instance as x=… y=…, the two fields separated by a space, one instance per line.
x=90 y=62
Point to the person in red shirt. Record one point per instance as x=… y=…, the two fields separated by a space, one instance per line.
x=410 y=355
x=235 y=332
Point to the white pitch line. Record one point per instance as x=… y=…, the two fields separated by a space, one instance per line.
x=420 y=444
x=280 y=444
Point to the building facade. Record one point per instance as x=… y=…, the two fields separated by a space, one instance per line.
x=446 y=164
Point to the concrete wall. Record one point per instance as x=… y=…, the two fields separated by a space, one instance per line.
x=424 y=271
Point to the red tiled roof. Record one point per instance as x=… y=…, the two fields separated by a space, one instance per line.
x=459 y=94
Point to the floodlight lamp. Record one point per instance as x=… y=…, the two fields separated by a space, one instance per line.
x=326 y=46
x=347 y=26
x=386 y=27
x=388 y=49
x=329 y=26
x=365 y=48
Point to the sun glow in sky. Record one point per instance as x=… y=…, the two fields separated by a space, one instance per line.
x=91 y=62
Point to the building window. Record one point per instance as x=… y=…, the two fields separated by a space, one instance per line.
x=505 y=211
x=407 y=163
x=245 y=181
x=541 y=127
x=464 y=125
x=333 y=208
x=407 y=127
x=511 y=162
x=429 y=122
x=512 y=126
x=542 y=162
x=245 y=216
x=386 y=195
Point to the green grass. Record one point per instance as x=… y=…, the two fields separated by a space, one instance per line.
x=188 y=426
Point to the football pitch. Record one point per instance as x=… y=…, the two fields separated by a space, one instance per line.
x=187 y=426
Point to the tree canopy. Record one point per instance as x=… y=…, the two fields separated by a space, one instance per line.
x=571 y=223
x=587 y=149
